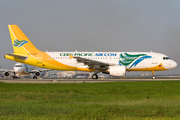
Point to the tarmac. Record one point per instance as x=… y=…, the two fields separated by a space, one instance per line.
x=44 y=81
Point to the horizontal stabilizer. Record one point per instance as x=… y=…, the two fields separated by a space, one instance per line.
x=17 y=56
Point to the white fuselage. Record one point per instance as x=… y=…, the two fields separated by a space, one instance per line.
x=144 y=61
x=21 y=69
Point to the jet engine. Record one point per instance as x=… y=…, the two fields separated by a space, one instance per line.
x=7 y=74
x=37 y=73
x=116 y=71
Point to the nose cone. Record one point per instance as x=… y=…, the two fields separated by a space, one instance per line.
x=18 y=69
x=170 y=64
x=173 y=64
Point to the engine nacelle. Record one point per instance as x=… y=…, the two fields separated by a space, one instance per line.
x=116 y=71
x=6 y=74
x=37 y=74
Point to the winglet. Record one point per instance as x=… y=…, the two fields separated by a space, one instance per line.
x=70 y=56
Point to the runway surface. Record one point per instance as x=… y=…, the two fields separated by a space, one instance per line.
x=78 y=80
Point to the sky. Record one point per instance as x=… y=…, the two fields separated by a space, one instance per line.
x=94 y=25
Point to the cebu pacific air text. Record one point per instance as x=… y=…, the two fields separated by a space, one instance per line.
x=88 y=54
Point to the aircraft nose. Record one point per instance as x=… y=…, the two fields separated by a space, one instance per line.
x=173 y=64
x=170 y=64
x=18 y=70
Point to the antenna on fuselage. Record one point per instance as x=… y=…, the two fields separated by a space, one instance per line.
x=76 y=50
x=151 y=51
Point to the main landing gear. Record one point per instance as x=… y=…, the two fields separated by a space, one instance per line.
x=94 y=76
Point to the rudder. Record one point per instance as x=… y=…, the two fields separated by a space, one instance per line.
x=21 y=44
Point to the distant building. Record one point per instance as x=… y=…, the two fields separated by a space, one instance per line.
x=82 y=75
x=66 y=74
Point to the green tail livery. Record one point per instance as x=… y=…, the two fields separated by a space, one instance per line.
x=18 y=43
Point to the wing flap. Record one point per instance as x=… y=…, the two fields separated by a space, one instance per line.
x=41 y=70
x=91 y=63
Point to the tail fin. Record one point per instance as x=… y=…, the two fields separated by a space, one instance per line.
x=21 y=44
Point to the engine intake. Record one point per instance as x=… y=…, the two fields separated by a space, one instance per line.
x=37 y=74
x=6 y=73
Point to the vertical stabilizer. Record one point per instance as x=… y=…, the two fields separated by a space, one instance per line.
x=21 y=44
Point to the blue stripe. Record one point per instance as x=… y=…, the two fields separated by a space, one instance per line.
x=139 y=60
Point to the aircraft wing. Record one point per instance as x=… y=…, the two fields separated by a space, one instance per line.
x=91 y=63
x=5 y=70
x=41 y=70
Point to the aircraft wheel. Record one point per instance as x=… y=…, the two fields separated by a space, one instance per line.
x=34 y=77
x=94 y=76
x=14 y=77
x=153 y=77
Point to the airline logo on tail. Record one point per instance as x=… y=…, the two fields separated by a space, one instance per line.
x=18 y=43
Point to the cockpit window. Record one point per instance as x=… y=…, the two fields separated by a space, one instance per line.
x=166 y=58
x=18 y=66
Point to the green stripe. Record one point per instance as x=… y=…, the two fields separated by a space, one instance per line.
x=128 y=55
x=125 y=64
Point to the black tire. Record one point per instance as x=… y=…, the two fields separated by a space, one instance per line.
x=15 y=77
x=94 y=76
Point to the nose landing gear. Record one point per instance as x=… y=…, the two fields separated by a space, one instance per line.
x=15 y=77
x=153 y=75
x=34 y=77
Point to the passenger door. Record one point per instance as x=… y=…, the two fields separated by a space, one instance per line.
x=39 y=58
x=154 y=58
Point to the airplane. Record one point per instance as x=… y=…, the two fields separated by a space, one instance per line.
x=22 y=69
x=112 y=63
